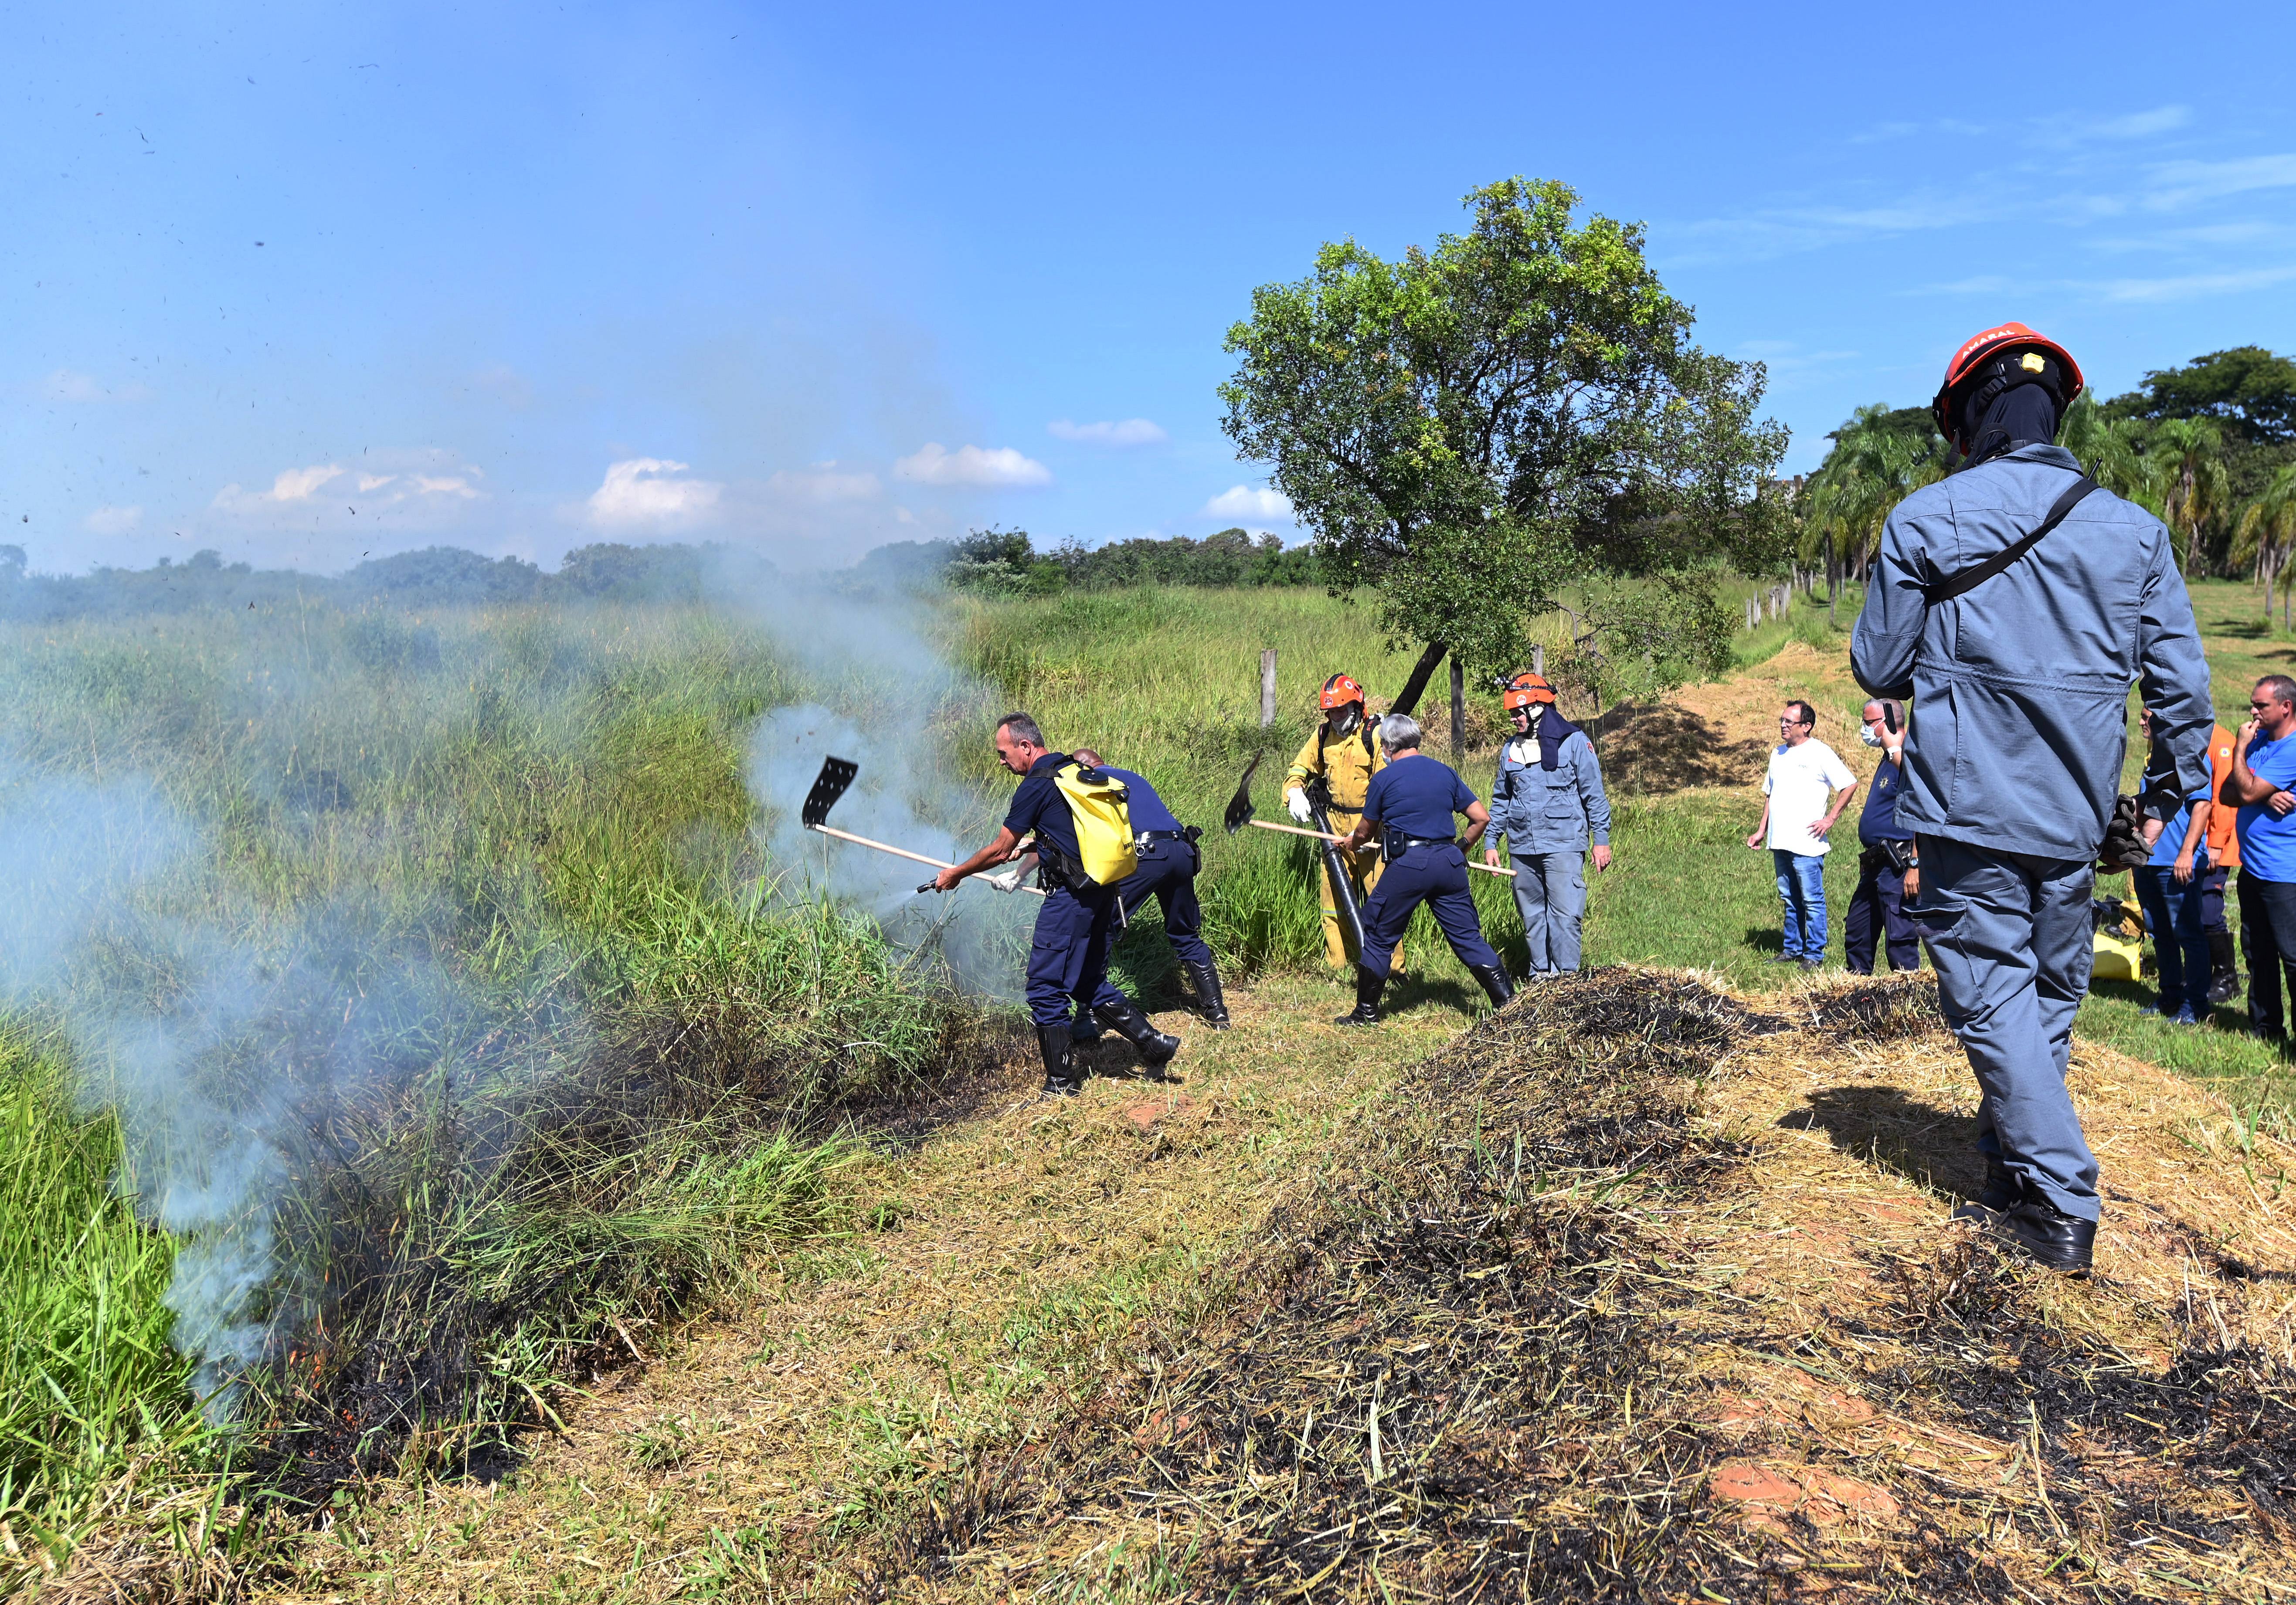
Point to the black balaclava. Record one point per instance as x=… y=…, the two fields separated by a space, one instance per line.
x=2025 y=415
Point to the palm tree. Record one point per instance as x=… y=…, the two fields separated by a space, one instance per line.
x=2112 y=450
x=1872 y=468
x=2267 y=536
x=2187 y=455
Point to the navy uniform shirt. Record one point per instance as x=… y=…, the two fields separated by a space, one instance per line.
x=1879 y=821
x=1147 y=808
x=1417 y=797
x=1040 y=807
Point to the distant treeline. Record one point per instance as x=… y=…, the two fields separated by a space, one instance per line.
x=1004 y=562
x=993 y=561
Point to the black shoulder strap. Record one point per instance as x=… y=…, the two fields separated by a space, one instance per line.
x=1977 y=574
x=1368 y=751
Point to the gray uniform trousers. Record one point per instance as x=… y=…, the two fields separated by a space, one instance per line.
x=1550 y=892
x=2009 y=934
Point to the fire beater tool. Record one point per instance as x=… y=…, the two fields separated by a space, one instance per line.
x=836 y=775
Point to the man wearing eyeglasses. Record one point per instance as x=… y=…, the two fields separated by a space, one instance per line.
x=1795 y=819
x=2263 y=771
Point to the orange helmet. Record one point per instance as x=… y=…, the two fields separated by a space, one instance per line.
x=1339 y=691
x=1524 y=690
x=1999 y=359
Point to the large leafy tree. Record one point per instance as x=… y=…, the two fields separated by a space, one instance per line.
x=2247 y=388
x=1474 y=431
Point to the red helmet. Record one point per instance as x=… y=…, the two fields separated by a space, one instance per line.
x=1339 y=691
x=1524 y=690
x=1999 y=359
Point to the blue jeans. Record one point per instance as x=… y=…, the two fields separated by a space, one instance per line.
x=2172 y=914
x=1802 y=889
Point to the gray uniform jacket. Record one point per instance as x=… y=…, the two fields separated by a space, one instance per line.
x=2021 y=686
x=1543 y=810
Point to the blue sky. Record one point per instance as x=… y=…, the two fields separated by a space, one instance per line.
x=306 y=283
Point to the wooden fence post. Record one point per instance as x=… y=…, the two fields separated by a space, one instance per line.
x=1458 y=709
x=1538 y=657
x=1267 y=688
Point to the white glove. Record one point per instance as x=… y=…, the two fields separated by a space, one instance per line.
x=1297 y=800
x=1009 y=881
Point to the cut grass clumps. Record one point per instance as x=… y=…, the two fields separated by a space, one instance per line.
x=1502 y=1353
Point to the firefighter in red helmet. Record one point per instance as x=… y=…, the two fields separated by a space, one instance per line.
x=2014 y=601
x=1343 y=756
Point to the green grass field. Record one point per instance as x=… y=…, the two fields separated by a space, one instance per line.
x=507 y=862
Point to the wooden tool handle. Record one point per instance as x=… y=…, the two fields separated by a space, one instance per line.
x=1488 y=869
x=863 y=841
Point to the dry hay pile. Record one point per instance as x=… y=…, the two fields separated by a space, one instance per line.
x=1636 y=1293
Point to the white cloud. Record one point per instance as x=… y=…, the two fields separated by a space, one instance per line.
x=825 y=482
x=972 y=465
x=65 y=385
x=2181 y=182
x=637 y=493
x=453 y=485
x=112 y=520
x=299 y=484
x=367 y=482
x=2193 y=284
x=1243 y=502
x=1131 y=431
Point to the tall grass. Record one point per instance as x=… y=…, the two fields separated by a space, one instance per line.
x=507 y=856
x=88 y=1380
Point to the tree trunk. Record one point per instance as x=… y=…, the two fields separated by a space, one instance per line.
x=1458 y=711
x=1406 y=700
x=1832 y=584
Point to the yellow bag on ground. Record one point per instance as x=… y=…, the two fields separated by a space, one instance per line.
x=2120 y=943
x=1101 y=809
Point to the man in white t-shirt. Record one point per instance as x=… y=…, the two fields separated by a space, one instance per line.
x=1795 y=820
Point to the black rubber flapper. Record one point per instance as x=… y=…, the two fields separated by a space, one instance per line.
x=836 y=774
x=1238 y=806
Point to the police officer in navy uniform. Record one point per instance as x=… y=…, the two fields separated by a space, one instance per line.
x=1169 y=862
x=1889 y=866
x=1069 y=957
x=1409 y=806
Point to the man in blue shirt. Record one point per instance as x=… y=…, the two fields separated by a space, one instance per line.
x=2172 y=886
x=1889 y=869
x=1069 y=957
x=1170 y=861
x=1409 y=806
x=2261 y=786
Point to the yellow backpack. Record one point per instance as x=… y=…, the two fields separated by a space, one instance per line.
x=1101 y=809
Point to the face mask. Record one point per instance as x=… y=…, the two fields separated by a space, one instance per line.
x=1343 y=720
x=1865 y=733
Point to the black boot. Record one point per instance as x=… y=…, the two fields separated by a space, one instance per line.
x=2056 y=1241
x=2224 y=980
x=1061 y=1079
x=1155 y=1048
x=1368 y=987
x=1495 y=984
x=2001 y=1188
x=1206 y=977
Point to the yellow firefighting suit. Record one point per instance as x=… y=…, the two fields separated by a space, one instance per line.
x=1346 y=764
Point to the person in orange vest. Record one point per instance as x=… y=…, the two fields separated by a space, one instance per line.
x=1343 y=753
x=2224 y=855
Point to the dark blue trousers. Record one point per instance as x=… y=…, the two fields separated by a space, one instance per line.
x=1168 y=873
x=1436 y=876
x=1069 y=957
